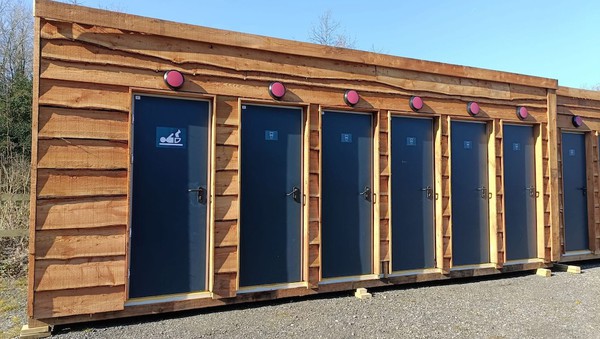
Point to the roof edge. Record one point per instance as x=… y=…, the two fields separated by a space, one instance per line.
x=90 y=16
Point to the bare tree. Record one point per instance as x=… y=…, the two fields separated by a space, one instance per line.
x=327 y=32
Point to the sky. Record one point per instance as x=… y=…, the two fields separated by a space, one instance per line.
x=550 y=38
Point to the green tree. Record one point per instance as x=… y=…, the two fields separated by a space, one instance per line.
x=16 y=54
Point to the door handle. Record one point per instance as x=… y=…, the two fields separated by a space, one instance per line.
x=484 y=192
x=429 y=191
x=295 y=193
x=201 y=194
x=366 y=193
x=532 y=192
x=583 y=190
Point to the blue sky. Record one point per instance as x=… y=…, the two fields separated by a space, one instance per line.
x=550 y=38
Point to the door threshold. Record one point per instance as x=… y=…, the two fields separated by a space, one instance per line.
x=271 y=287
x=573 y=253
x=350 y=279
x=168 y=298
x=523 y=261
x=471 y=267
x=414 y=272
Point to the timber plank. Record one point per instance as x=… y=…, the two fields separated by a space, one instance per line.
x=226 y=208
x=80 y=183
x=226 y=182
x=227 y=135
x=78 y=301
x=226 y=233
x=226 y=158
x=577 y=93
x=82 y=154
x=81 y=213
x=57 y=122
x=53 y=275
x=226 y=259
x=84 y=95
x=80 y=243
x=251 y=84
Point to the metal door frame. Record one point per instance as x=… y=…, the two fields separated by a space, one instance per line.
x=437 y=188
x=491 y=180
x=210 y=180
x=539 y=184
x=304 y=162
x=375 y=224
x=589 y=182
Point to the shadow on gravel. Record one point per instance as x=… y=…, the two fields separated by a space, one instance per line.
x=101 y=324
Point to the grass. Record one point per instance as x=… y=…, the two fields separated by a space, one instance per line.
x=13 y=293
x=14 y=215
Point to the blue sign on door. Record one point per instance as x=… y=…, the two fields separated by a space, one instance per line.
x=411 y=141
x=467 y=144
x=346 y=137
x=170 y=137
x=271 y=135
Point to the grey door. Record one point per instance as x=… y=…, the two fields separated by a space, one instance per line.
x=520 y=192
x=412 y=197
x=347 y=194
x=271 y=195
x=575 y=192
x=469 y=181
x=169 y=194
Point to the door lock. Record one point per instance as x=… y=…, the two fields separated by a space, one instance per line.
x=484 y=192
x=201 y=194
x=532 y=192
x=295 y=193
x=366 y=193
x=429 y=191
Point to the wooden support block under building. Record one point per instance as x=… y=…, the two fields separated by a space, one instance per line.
x=544 y=272
x=35 y=332
x=361 y=293
x=567 y=268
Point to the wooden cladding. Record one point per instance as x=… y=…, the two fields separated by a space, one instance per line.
x=89 y=64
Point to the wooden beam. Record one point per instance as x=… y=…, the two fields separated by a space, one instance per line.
x=81 y=213
x=88 y=301
x=554 y=184
x=578 y=93
x=34 y=165
x=80 y=183
x=543 y=272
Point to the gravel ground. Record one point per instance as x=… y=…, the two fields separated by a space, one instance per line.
x=511 y=306
x=13 y=298
x=519 y=305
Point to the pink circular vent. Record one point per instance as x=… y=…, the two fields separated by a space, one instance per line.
x=473 y=108
x=276 y=90
x=577 y=121
x=351 y=97
x=174 y=79
x=522 y=113
x=415 y=103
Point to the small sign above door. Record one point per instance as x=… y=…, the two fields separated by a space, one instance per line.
x=170 y=137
